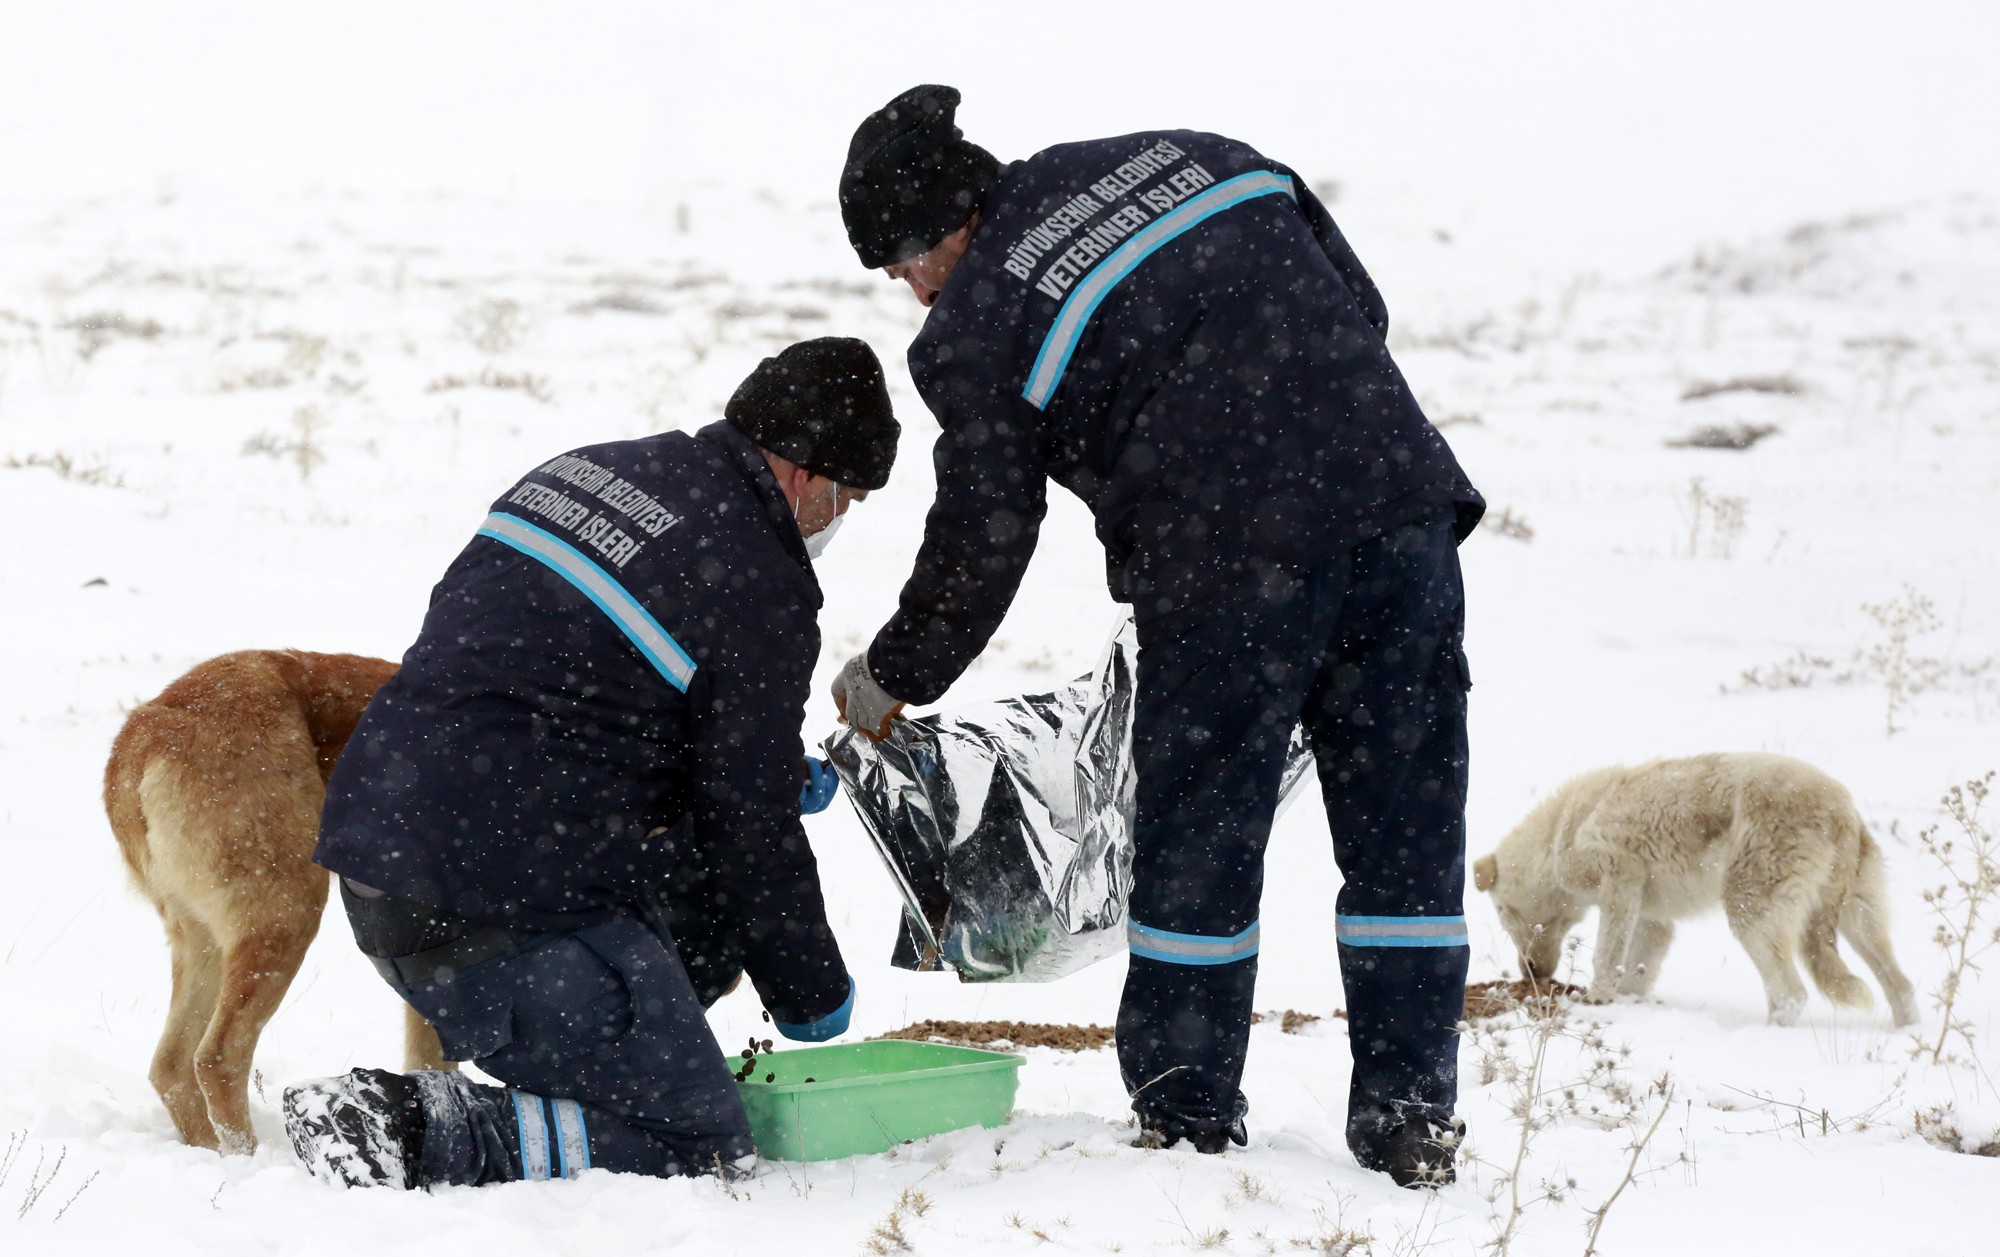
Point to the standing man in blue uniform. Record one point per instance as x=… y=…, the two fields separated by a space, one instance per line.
x=1170 y=325
x=593 y=747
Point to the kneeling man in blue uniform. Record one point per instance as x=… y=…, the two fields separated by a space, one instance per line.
x=1170 y=325
x=571 y=820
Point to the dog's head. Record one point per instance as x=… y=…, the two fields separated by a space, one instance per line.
x=1536 y=912
x=1485 y=873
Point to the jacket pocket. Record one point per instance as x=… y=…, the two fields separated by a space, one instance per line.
x=630 y=954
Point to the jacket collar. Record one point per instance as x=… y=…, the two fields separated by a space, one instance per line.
x=742 y=454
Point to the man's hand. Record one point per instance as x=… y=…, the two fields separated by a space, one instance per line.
x=821 y=784
x=831 y=1026
x=862 y=703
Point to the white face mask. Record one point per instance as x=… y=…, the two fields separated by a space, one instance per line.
x=817 y=543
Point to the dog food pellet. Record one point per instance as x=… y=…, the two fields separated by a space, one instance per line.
x=767 y=1014
x=767 y=1045
x=769 y=1077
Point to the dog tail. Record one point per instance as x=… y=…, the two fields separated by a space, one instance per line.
x=1829 y=972
x=1864 y=923
x=1843 y=896
x=121 y=792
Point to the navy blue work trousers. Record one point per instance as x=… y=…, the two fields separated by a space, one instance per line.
x=607 y=1056
x=1367 y=651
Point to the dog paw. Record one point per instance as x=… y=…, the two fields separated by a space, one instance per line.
x=234 y=1143
x=1787 y=1013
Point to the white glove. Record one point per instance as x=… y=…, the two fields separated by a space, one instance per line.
x=863 y=704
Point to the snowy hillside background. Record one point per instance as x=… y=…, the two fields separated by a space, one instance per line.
x=287 y=294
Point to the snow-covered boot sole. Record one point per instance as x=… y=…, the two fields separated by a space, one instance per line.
x=362 y=1128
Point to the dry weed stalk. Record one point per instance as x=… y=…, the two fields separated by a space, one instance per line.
x=302 y=447
x=38 y=1185
x=1723 y=516
x=1788 y=1118
x=1507 y=524
x=494 y=326
x=1903 y=674
x=1248 y=1188
x=1891 y=660
x=888 y=1237
x=1801 y=671
x=1970 y=861
x=1518 y=1055
x=1333 y=1236
x=1632 y=1172
x=91 y=1178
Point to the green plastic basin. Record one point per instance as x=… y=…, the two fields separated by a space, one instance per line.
x=869 y=1097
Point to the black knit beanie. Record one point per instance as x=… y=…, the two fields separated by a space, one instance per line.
x=824 y=405
x=911 y=177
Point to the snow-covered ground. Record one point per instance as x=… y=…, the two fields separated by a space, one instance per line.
x=233 y=415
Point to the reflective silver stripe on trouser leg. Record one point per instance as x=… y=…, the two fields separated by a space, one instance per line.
x=572 y=1139
x=1401 y=931
x=534 y=1132
x=1177 y=948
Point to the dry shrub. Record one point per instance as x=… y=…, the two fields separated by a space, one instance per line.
x=1729 y=436
x=1780 y=385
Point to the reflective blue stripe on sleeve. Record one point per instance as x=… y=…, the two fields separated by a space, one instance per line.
x=1083 y=300
x=827 y=1027
x=1191 y=949
x=596 y=584
x=1401 y=931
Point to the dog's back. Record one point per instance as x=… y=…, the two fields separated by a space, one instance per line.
x=214 y=791
x=1709 y=827
x=210 y=784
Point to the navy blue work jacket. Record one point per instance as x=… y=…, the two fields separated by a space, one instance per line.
x=627 y=642
x=1169 y=325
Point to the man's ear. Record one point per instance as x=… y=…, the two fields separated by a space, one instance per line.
x=1485 y=873
x=796 y=481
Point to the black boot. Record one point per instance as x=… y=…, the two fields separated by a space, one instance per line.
x=1203 y=1139
x=1419 y=1152
x=364 y=1128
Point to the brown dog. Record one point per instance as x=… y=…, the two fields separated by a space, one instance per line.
x=214 y=790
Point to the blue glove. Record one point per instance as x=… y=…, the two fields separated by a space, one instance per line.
x=833 y=1025
x=822 y=783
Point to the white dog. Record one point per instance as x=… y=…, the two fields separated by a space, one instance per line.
x=1776 y=842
